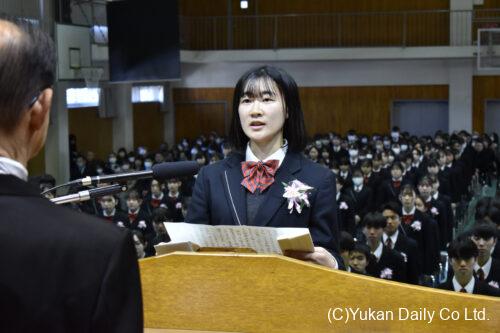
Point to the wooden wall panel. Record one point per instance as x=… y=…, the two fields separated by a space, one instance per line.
x=365 y=109
x=484 y=87
x=92 y=133
x=201 y=111
x=346 y=29
x=271 y=7
x=148 y=125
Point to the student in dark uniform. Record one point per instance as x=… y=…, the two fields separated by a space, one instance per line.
x=396 y=240
x=361 y=196
x=345 y=209
x=155 y=198
x=138 y=218
x=463 y=257
x=111 y=213
x=247 y=188
x=388 y=264
x=422 y=229
x=174 y=200
x=360 y=258
x=389 y=189
x=486 y=269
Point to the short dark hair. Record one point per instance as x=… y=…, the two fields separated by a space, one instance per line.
x=346 y=241
x=294 y=129
x=463 y=249
x=365 y=250
x=27 y=66
x=374 y=220
x=159 y=215
x=392 y=206
x=485 y=230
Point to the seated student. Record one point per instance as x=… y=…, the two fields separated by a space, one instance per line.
x=155 y=198
x=462 y=256
x=360 y=258
x=159 y=217
x=487 y=269
x=138 y=218
x=389 y=264
x=111 y=213
x=346 y=244
x=361 y=195
x=174 y=200
x=396 y=240
x=345 y=209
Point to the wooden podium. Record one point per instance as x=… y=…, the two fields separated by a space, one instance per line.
x=235 y=292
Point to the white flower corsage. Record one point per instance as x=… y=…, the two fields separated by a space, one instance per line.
x=386 y=273
x=405 y=258
x=120 y=224
x=343 y=205
x=142 y=225
x=296 y=193
x=494 y=284
x=434 y=211
x=178 y=205
x=417 y=226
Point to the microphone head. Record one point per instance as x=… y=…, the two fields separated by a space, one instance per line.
x=167 y=170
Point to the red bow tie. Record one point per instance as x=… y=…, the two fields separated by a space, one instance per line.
x=132 y=216
x=155 y=203
x=407 y=219
x=396 y=183
x=258 y=175
x=428 y=205
x=109 y=218
x=366 y=180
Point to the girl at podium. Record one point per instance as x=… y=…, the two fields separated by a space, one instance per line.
x=266 y=181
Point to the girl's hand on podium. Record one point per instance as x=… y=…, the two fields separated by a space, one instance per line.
x=320 y=256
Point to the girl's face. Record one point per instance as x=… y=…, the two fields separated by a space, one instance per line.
x=262 y=112
x=313 y=153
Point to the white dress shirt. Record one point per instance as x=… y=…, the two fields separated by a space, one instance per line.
x=469 y=287
x=11 y=167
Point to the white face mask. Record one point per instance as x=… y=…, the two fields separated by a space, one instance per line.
x=404 y=147
x=148 y=165
x=357 y=181
x=112 y=160
x=396 y=150
x=353 y=152
x=395 y=135
x=369 y=156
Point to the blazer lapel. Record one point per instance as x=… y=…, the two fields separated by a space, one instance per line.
x=274 y=195
x=235 y=192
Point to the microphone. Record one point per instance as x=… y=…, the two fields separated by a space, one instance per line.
x=160 y=171
x=89 y=194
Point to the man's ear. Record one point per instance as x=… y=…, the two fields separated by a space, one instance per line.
x=40 y=111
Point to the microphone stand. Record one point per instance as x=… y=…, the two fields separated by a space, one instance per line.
x=89 y=194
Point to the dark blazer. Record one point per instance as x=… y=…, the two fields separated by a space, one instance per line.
x=62 y=271
x=346 y=213
x=219 y=198
x=480 y=288
x=363 y=200
x=494 y=274
x=408 y=248
x=427 y=239
x=390 y=259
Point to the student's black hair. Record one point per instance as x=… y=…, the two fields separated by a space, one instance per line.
x=462 y=249
x=365 y=250
x=346 y=242
x=294 y=130
x=374 y=220
x=397 y=164
x=159 y=215
x=392 y=206
x=484 y=230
